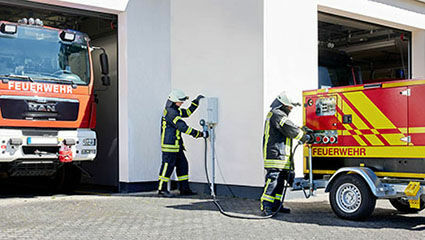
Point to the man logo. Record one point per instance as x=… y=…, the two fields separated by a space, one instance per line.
x=41 y=107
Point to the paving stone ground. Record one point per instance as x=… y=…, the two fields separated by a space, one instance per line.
x=145 y=216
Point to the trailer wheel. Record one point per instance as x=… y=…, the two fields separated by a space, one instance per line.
x=403 y=206
x=351 y=198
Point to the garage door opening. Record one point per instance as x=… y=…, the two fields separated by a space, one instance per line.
x=354 y=52
x=102 y=31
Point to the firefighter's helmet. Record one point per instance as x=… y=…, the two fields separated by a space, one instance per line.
x=286 y=100
x=177 y=95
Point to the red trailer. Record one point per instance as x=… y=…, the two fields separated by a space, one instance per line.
x=369 y=144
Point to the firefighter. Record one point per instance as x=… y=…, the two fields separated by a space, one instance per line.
x=277 y=144
x=172 y=126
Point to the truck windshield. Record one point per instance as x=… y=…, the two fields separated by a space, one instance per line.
x=40 y=55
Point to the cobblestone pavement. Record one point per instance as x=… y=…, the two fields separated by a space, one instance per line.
x=144 y=216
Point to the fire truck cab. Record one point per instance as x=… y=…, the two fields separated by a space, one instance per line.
x=47 y=105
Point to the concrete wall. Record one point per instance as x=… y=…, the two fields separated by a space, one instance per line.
x=216 y=50
x=144 y=73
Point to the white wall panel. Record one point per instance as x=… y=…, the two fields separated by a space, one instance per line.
x=144 y=86
x=216 y=50
x=290 y=54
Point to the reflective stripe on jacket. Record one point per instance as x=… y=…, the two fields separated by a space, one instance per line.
x=172 y=125
x=277 y=140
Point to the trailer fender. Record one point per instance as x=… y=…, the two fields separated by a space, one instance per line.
x=376 y=186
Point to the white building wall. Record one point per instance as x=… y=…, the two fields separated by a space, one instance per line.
x=144 y=56
x=290 y=55
x=216 y=50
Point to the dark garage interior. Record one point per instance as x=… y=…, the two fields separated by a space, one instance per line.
x=354 y=52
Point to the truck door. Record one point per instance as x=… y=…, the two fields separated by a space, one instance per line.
x=379 y=115
x=416 y=102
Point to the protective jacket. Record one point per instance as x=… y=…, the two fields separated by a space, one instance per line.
x=277 y=140
x=172 y=125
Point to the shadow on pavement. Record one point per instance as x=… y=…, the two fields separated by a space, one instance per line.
x=317 y=213
x=30 y=187
x=25 y=187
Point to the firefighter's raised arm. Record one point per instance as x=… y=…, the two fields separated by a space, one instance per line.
x=173 y=117
x=184 y=113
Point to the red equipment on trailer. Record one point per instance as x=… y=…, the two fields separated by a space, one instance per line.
x=370 y=141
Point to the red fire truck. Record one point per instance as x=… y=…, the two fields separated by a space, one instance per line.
x=369 y=144
x=47 y=105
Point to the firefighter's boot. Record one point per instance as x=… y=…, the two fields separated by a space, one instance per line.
x=282 y=209
x=185 y=189
x=165 y=193
x=266 y=208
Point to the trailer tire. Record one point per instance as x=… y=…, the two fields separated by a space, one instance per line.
x=402 y=205
x=351 y=198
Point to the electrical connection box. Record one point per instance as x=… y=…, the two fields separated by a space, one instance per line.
x=212 y=110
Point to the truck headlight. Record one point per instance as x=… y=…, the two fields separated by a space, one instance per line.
x=89 y=142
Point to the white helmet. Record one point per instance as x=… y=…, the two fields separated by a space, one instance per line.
x=287 y=101
x=177 y=95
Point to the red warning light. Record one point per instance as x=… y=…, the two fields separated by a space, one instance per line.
x=325 y=139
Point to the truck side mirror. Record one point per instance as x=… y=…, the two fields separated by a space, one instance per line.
x=104 y=63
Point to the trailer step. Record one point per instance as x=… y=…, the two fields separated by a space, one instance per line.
x=412 y=191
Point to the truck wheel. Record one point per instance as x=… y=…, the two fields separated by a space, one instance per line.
x=403 y=206
x=351 y=198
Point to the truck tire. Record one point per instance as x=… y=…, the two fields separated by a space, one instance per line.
x=403 y=206
x=351 y=198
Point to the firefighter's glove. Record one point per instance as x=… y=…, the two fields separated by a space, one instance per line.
x=205 y=134
x=199 y=97
x=310 y=139
x=307 y=129
x=306 y=139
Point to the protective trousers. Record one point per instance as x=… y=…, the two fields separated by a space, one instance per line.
x=272 y=194
x=169 y=161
